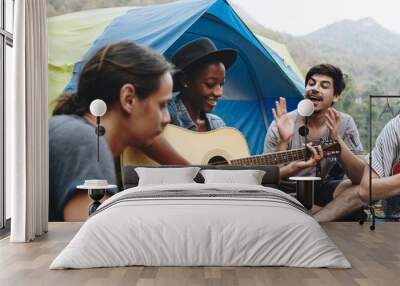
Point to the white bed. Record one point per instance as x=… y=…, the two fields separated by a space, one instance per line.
x=223 y=225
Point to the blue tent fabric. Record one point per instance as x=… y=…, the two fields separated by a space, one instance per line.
x=253 y=84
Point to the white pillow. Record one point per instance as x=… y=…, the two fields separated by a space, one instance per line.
x=248 y=177
x=165 y=176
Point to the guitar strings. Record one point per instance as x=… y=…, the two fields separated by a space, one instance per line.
x=285 y=155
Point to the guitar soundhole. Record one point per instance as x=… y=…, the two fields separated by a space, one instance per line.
x=218 y=160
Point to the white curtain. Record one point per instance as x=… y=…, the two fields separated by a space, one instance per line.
x=26 y=124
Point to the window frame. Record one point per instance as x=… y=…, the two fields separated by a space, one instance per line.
x=6 y=39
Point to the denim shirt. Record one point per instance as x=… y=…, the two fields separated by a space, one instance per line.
x=180 y=115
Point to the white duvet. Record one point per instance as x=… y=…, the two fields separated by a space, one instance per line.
x=206 y=230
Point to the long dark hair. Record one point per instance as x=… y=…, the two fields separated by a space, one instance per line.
x=108 y=70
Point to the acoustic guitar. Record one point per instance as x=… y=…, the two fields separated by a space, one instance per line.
x=218 y=147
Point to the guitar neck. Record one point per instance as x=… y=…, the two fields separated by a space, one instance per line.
x=276 y=158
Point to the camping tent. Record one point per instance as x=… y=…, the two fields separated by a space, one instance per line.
x=254 y=82
x=280 y=52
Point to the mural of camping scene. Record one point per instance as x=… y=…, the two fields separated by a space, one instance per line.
x=254 y=82
x=256 y=78
x=268 y=65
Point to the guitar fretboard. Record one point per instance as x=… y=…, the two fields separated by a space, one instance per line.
x=277 y=158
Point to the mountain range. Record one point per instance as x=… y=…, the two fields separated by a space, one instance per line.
x=367 y=52
x=363 y=49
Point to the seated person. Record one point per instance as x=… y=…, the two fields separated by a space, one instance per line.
x=324 y=84
x=354 y=193
x=136 y=84
x=199 y=82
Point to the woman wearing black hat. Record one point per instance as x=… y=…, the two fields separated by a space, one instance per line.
x=199 y=80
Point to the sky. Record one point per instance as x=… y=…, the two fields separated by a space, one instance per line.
x=300 y=17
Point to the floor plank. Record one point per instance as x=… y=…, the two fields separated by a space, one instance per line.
x=374 y=255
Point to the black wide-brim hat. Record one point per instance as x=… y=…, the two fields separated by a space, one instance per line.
x=198 y=52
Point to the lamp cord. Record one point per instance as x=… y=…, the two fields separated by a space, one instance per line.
x=98 y=137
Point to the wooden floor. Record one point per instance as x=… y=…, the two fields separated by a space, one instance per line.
x=374 y=255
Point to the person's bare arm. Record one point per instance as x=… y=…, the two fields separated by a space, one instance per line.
x=284 y=124
x=288 y=170
x=163 y=153
x=382 y=187
x=295 y=167
x=353 y=197
x=351 y=163
x=282 y=146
